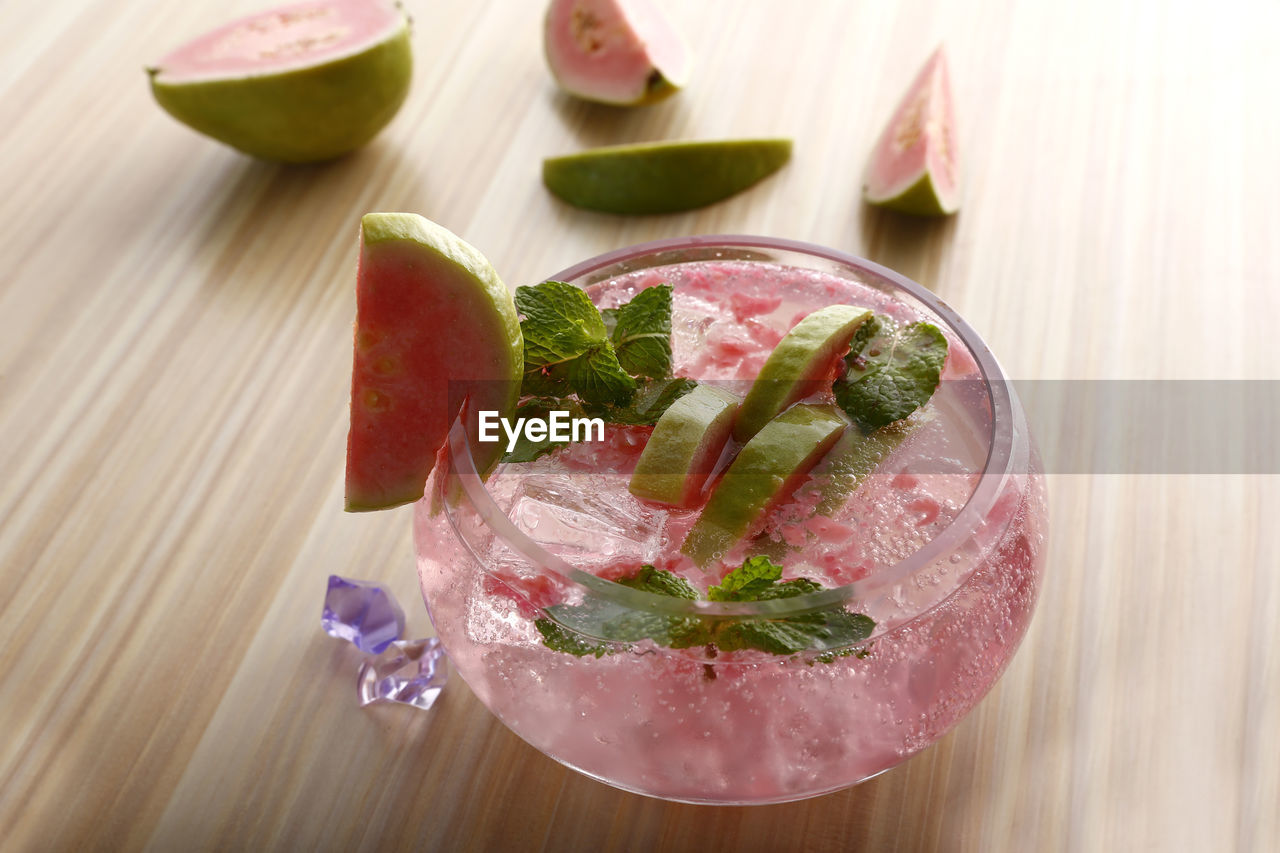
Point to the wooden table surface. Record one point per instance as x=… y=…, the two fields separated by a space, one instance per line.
x=175 y=333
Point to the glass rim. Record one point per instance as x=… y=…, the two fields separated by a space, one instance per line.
x=1001 y=453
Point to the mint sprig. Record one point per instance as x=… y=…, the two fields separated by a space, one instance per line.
x=890 y=371
x=758 y=579
x=615 y=364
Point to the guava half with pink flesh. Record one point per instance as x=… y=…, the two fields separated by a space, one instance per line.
x=435 y=327
x=298 y=84
x=915 y=167
x=620 y=52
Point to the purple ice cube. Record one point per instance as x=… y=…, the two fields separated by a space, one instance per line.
x=364 y=612
x=411 y=671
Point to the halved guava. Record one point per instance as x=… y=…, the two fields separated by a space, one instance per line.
x=298 y=84
x=620 y=52
x=915 y=166
x=434 y=326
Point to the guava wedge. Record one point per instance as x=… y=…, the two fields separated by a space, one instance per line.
x=685 y=445
x=796 y=367
x=915 y=166
x=765 y=471
x=298 y=84
x=621 y=52
x=662 y=177
x=434 y=326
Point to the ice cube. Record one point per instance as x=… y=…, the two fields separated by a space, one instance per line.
x=579 y=514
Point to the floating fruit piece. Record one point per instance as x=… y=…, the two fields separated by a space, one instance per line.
x=796 y=367
x=685 y=445
x=434 y=325
x=766 y=470
x=662 y=177
x=620 y=52
x=297 y=84
x=915 y=166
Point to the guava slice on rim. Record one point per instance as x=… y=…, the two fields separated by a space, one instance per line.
x=297 y=84
x=662 y=177
x=434 y=326
x=621 y=52
x=798 y=364
x=915 y=166
x=685 y=445
x=767 y=469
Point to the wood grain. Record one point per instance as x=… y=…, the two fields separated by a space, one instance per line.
x=174 y=354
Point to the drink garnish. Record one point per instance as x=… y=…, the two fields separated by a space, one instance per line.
x=567 y=347
x=613 y=364
x=641 y=332
x=890 y=371
x=567 y=627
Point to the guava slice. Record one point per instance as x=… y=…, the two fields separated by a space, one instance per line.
x=434 y=326
x=685 y=445
x=621 y=52
x=766 y=470
x=298 y=84
x=798 y=364
x=915 y=166
x=662 y=177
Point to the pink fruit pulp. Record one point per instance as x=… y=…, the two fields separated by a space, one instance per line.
x=741 y=727
x=283 y=39
x=919 y=140
x=611 y=50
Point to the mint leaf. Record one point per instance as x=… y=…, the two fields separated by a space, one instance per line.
x=891 y=373
x=661 y=582
x=550 y=381
x=755 y=580
x=641 y=332
x=596 y=617
x=570 y=352
x=596 y=377
x=558 y=639
x=821 y=630
x=650 y=400
x=877 y=325
x=559 y=324
x=746 y=582
x=758 y=580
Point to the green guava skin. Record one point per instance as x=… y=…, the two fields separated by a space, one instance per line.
x=920 y=199
x=801 y=357
x=307 y=115
x=662 y=177
x=766 y=470
x=685 y=444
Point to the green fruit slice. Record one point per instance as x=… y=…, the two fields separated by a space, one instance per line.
x=434 y=326
x=662 y=177
x=766 y=470
x=796 y=367
x=621 y=52
x=685 y=445
x=914 y=167
x=299 y=84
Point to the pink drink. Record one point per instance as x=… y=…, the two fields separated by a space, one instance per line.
x=942 y=546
